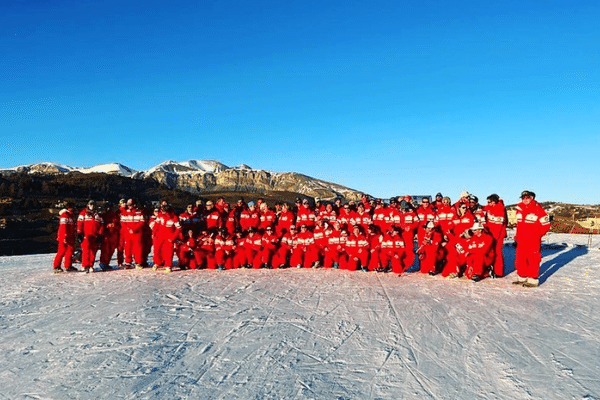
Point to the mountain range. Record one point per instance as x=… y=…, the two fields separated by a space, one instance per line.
x=205 y=176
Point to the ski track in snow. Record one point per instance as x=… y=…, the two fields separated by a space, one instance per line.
x=310 y=334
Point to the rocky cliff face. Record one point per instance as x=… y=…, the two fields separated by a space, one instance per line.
x=199 y=176
x=249 y=180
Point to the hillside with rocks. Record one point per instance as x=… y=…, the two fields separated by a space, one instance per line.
x=204 y=177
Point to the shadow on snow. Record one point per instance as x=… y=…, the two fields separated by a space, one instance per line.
x=549 y=267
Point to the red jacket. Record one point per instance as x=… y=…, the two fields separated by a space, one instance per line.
x=89 y=223
x=66 y=226
x=306 y=216
x=343 y=215
x=112 y=224
x=249 y=219
x=409 y=221
x=270 y=242
x=289 y=241
x=427 y=240
x=532 y=222
x=169 y=229
x=363 y=220
x=189 y=220
x=305 y=240
x=426 y=214
x=231 y=222
x=267 y=218
x=392 y=244
x=461 y=224
x=133 y=221
x=286 y=219
x=481 y=245
x=357 y=244
x=328 y=215
x=496 y=220
x=444 y=217
x=382 y=218
x=319 y=237
x=212 y=219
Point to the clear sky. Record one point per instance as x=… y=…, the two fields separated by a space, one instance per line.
x=386 y=97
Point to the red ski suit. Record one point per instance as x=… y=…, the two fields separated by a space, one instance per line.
x=444 y=216
x=462 y=223
x=306 y=216
x=363 y=220
x=91 y=226
x=496 y=222
x=239 y=251
x=409 y=224
x=480 y=254
x=375 y=242
x=455 y=254
x=430 y=249
x=231 y=222
x=267 y=218
x=357 y=249
x=189 y=220
x=330 y=216
x=185 y=252
x=393 y=252
x=288 y=244
x=344 y=216
x=332 y=249
x=285 y=220
x=212 y=219
x=426 y=214
x=65 y=238
x=382 y=218
x=304 y=254
x=132 y=222
x=268 y=253
x=250 y=246
x=532 y=224
x=169 y=231
x=112 y=228
x=224 y=246
x=249 y=219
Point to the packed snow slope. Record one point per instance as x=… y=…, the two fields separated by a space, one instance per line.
x=306 y=334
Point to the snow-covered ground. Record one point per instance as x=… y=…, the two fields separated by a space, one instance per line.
x=314 y=334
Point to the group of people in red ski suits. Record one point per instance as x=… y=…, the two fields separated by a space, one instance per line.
x=457 y=239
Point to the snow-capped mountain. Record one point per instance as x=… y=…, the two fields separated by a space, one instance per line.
x=49 y=168
x=205 y=176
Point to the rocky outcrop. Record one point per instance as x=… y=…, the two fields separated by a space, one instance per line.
x=199 y=176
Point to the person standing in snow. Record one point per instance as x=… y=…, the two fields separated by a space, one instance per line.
x=90 y=228
x=66 y=239
x=532 y=224
x=112 y=226
x=496 y=221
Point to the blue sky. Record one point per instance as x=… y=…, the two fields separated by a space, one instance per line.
x=386 y=97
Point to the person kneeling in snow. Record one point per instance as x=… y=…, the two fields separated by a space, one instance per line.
x=480 y=253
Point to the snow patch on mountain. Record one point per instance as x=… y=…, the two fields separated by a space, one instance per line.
x=112 y=168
